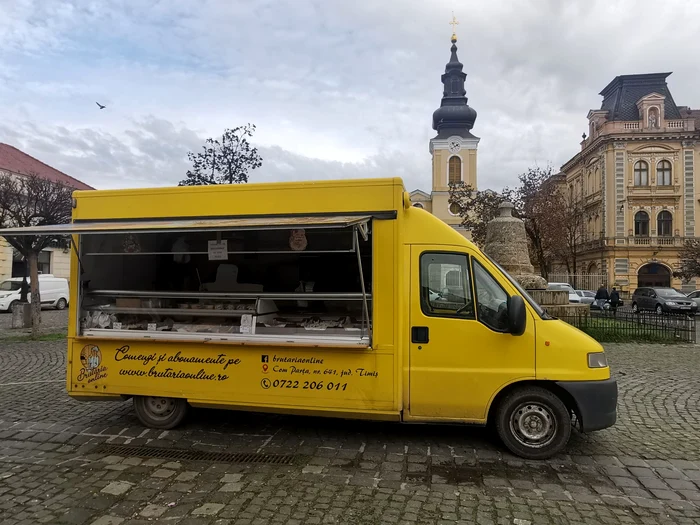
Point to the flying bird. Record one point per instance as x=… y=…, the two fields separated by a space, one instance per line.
x=100 y=105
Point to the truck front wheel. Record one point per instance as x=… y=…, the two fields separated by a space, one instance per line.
x=533 y=423
x=160 y=412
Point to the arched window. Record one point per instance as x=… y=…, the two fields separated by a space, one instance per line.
x=418 y=205
x=641 y=224
x=664 y=223
x=455 y=170
x=641 y=173
x=663 y=173
x=589 y=186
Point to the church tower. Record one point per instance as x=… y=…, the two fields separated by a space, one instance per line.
x=454 y=147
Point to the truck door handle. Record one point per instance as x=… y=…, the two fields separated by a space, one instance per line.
x=420 y=335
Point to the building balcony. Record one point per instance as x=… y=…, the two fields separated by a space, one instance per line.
x=656 y=241
x=588 y=245
x=616 y=127
x=673 y=190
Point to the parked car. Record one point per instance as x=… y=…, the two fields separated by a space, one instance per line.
x=662 y=300
x=52 y=290
x=586 y=296
x=573 y=297
x=695 y=296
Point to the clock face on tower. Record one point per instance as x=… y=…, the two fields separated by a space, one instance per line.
x=454 y=145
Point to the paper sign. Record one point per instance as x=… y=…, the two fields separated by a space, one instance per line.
x=117 y=326
x=152 y=327
x=246 y=324
x=218 y=250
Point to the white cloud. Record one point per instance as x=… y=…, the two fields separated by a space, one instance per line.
x=335 y=89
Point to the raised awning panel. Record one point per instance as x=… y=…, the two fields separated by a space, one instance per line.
x=151 y=226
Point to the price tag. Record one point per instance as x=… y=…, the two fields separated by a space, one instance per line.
x=246 y=324
x=117 y=326
x=152 y=327
x=218 y=250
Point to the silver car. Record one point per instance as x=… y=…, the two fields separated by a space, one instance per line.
x=587 y=297
x=565 y=287
x=695 y=296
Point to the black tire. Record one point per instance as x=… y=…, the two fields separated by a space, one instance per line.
x=659 y=310
x=160 y=412
x=12 y=305
x=61 y=304
x=635 y=308
x=540 y=408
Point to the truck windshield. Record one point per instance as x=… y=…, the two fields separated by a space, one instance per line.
x=540 y=311
x=10 y=286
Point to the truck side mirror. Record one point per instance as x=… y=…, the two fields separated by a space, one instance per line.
x=517 y=318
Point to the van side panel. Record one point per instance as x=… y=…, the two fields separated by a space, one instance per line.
x=285 y=378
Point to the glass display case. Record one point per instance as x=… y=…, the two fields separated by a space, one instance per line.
x=281 y=287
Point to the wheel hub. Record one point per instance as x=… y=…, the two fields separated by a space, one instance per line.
x=160 y=407
x=533 y=424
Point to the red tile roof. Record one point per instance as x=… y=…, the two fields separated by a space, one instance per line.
x=16 y=161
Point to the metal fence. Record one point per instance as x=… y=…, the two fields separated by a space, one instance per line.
x=580 y=281
x=625 y=326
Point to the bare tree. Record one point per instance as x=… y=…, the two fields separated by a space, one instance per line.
x=565 y=229
x=30 y=200
x=226 y=160
x=476 y=208
x=689 y=256
x=534 y=199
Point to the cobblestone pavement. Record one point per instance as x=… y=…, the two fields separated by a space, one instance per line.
x=645 y=470
x=52 y=322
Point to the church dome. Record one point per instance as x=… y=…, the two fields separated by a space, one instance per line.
x=454 y=116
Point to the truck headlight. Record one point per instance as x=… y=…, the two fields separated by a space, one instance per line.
x=597 y=360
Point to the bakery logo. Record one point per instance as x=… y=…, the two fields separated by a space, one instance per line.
x=265 y=360
x=91 y=361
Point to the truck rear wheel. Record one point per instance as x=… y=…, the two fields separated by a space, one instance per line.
x=160 y=412
x=533 y=423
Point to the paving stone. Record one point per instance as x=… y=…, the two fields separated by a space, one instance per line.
x=231 y=478
x=108 y=520
x=187 y=476
x=117 y=488
x=163 y=473
x=665 y=494
x=208 y=509
x=153 y=511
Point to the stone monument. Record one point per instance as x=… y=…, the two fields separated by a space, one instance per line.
x=506 y=243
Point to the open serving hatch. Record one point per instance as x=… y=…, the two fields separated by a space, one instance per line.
x=117 y=301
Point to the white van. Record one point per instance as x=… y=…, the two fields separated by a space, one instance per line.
x=52 y=290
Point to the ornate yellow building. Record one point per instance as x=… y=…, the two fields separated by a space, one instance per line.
x=453 y=148
x=636 y=174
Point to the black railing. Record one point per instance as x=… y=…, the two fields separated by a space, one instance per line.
x=625 y=326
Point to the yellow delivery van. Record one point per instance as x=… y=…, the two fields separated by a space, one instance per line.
x=329 y=298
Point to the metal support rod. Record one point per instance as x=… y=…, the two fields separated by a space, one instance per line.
x=365 y=308
x=232 y=295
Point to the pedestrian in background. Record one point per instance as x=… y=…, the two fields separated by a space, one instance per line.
x=601 y=297
x=614 y=300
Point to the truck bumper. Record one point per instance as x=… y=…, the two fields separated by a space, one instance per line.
x=596 y=402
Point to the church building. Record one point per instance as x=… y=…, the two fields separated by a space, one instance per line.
x=453 y=149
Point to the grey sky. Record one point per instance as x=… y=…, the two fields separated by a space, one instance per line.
x=336 y=89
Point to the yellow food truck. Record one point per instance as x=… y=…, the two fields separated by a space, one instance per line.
x=327 y=298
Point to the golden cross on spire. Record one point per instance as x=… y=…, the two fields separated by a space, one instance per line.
x=454 y=23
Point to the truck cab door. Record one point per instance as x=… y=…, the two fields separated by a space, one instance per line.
x=460 y=353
